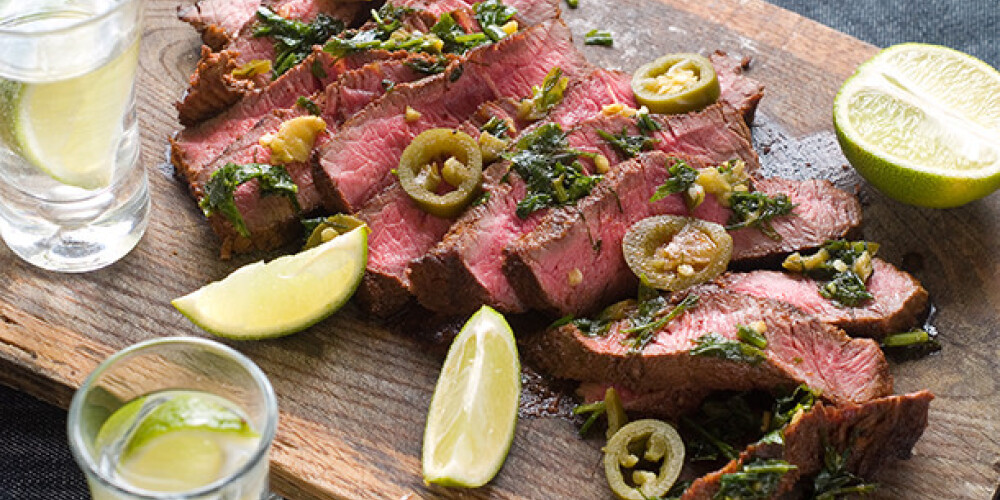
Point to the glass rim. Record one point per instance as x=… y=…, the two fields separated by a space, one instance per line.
x=92 y=471
x=96 y=18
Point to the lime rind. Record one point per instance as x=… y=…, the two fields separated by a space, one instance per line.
x=911 y=143
x=284 y=296
x=473 y=413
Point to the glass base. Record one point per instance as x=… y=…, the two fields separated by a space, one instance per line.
x=77 y=236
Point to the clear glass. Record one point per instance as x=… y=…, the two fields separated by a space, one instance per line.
x=171 y=364
x=73 y=196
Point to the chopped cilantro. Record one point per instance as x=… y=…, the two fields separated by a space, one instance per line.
x=598 y=37
x=550 y=169
x=274 y=180
x=756 y=209
x=682 y=177
x=293 y=40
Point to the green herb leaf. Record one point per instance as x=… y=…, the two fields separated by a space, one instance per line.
x=835 y=481
x=428 y=67
x=550 y=169
x=293 y=40
x=492 y=15
x=756 y=209
x=802 y=399
x=846 y=289
x=495 y=127
x=593 y=412
x=573 y=3
x=273 y=179
x=455 y=39
x=308 y=105
x=646 y=124
x=598 y=37
x=717 y=346
x=650 y=319
x=758 y=479
x=682 y=177
x=628 y=145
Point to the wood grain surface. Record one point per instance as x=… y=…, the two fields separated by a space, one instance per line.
x=353 y=396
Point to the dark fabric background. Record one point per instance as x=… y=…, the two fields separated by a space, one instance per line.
x=35 y=461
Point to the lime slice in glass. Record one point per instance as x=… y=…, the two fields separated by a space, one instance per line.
x=922 y=124
x=176 y=441
x=473 y=412
x=284 y=296
x=70 y=129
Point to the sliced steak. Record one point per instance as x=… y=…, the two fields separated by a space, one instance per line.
x=898 y=304
x=214 y=88
x=588 y=238
x=588 y=96
x=800 y=349
x=870 y=434
x=738 y=91
x=357 y=164
x=666 y=403
x=272 y=220
x=218 y=20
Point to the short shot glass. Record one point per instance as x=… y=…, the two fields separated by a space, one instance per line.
x=174 y=418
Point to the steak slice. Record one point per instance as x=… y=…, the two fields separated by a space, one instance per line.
x=870 y=434
x=357 y=163
x=898 y=304
x=588 y=238
x=218 y=20
x=738 y=91
x=588 y=96
x=800 y=349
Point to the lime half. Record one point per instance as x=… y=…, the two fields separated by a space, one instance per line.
x=70 y=129
x=922 y=124
x=473 y=412
x=283 y=296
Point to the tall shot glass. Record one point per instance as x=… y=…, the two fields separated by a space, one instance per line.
x=122 y=409
x=73 y=196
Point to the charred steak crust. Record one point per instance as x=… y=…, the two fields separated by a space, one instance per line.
x=738 y=91
x=899 y=300
x=874 y=432
x=800 y=349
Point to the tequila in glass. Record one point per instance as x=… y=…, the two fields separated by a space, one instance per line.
x=73 y=196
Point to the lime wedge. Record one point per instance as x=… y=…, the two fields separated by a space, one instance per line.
x=175 y=441
x=473 y=412
x=922 y=124
x=70 y=129
x=284 y=296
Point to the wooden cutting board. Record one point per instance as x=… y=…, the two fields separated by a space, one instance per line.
x=353 y=396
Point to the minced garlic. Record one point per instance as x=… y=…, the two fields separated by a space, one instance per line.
x=294 y=140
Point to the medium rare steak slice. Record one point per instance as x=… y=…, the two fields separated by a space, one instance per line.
x=898 y=303
x=588 y=96
x=567 y=241
x=738 y=91
x=799 y=349
x=868 y=435
x=218 y=20
x=357 y=163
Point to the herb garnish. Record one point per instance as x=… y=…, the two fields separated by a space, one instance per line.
x=749 y=348
x=293 y=40
x=682 y=177
x=598 y=37
x=758 y=479
x=544 y=97
x=835 y=481
x=495 y=127
x=756 y=210
x=428 y=67
x=573 y=3
x=844 y=265
x=785 y=408
x=308 y=105
x=550 y=168
x=492 y=15
x=445 y=36
x=274 y=180
x=646 y=124
x=649 y=319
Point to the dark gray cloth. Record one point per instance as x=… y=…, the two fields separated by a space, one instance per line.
x=35 y=462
